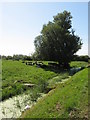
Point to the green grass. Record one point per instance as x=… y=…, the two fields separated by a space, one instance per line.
x=68 y=100
x=78 y=64
x=15 y=73
x=54 y=81
x=14 y=70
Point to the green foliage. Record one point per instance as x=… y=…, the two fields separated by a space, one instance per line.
x=16 y=73
x=52 y=82
x=43 y=83
x=17 y=57
x=57 y=40
x=13 y=90
x=35 y=94
x=78 y=64
x=81 y=58
x=68 y=100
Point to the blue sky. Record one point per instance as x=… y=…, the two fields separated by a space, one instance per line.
x=22 y=22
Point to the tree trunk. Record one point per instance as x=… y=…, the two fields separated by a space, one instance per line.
x=64 y=65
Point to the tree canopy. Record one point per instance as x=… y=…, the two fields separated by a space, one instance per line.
x=57 y=40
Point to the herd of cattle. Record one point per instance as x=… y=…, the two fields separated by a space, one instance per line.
x=40 y=64
x=54 y=65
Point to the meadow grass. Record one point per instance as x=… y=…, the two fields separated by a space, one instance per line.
x=16 y=73
x=68 y=100
x=78 y=64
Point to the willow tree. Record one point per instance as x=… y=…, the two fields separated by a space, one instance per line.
x=58 y=41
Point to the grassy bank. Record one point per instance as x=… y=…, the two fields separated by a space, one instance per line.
x=68 y=100
x=15 y=74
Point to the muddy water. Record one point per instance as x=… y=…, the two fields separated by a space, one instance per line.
x=13 y=107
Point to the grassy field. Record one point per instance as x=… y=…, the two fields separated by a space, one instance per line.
x=68 y=100
x=15 y=74
x=78 y=64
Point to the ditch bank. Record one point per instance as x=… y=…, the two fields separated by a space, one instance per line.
x=15 y=106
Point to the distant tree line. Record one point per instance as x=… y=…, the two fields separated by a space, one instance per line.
x=75 y=57
x=16 y=57
x=81 y=58
x=32 y=57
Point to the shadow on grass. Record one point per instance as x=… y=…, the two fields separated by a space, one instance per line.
x=56 y=69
